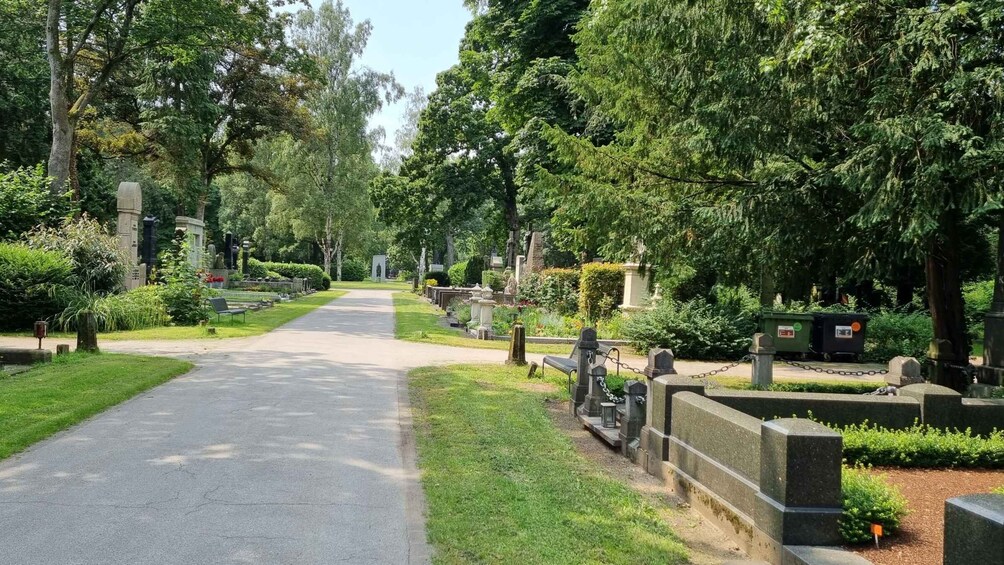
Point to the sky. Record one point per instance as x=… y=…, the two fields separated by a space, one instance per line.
x=416 y=39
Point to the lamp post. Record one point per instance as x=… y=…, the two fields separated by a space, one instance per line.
x=41 y=331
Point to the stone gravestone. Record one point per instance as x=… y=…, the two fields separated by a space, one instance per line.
x=378 y=268
x=635 y=288
x=130 y=206
x=195 y=232
x=520 y=266
x=535 y=258
x=904 y=371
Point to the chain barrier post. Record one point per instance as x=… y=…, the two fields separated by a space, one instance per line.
x=586 y=346
x=597 y=382
x=660 y=362
x=763 y=352
x=634 y=418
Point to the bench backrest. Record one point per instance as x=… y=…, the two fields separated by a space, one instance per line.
x=219 y=304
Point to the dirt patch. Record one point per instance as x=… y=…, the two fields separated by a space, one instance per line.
x=707 y=544
x=921 y=536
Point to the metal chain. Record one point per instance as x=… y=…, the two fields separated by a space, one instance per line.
x=623 y=365
x=805 y=367
x=707 y=374
x=602 y=381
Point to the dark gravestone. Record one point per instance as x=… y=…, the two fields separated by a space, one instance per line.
x=150 y=244
x=517 y=346
x=974 y=530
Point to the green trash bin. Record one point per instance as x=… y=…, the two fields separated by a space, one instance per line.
x=791 y=331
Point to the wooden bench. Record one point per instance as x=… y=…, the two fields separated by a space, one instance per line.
x=220 y=307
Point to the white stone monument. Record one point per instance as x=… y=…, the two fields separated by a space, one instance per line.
x=636 y=295
x=436 y=268
x=378 y=269
x=195 y=231
x=130 y=207
x=520 y=266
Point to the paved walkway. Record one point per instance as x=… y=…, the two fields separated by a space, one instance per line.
x=285 y=448
x=293 y=447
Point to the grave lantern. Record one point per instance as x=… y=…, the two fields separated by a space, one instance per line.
x=608 y=414
x=41 y=331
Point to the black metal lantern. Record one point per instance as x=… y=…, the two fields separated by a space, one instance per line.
x=608 y=414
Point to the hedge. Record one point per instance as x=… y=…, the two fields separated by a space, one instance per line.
x=441 y=278
x=456 y=273
x=30 y=280
x=555 y=290
x=601 y=288
x=922 y=446
x=355 y=270
x=313 y=273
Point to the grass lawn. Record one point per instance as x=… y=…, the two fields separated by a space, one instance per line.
x=259 y=322
x=504 y=485
x=53 y=397
x=417 y=320
x=370 y=285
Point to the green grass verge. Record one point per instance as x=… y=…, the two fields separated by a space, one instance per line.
x=258 y=323
x=417 y=320
x=55 y=396
x=370 y=285
x=503 y=485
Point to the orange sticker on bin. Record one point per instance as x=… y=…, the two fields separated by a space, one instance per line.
x=877 y=530
x=856 y=327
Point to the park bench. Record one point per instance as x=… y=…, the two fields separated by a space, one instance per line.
x=570 y=364
x=220 y=307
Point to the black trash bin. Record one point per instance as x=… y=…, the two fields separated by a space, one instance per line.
x=836 y=335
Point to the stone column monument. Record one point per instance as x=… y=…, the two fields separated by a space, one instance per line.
x=195 y=231
x=130 y=206
x=378 y=269
x=635 y=288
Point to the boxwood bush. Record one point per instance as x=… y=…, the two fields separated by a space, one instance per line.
x=891 y=334
x=456 y=273
x=922 y=446
x=694 y=329
x=30 y=284
x=601 y=288
x=868 y=499
x=313 y=273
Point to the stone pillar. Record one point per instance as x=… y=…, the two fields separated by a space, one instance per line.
x=487 y=314
x=799 y=502
x=517 y=345
x=586 y=347
x=130 y=206
x=476 y=305
x=763 y=353
x=195 y=231
x=944 y=365
x=940 y=407
x=595 y=396
x=635 y=288
x=520 y=265
x=974 y=530
x=904 y=371
x=659 y=419
x=150 y=244
x=660 y=362
x=229 y=252
x=634 y=418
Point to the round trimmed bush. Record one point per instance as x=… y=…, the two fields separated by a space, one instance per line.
x=354 y=270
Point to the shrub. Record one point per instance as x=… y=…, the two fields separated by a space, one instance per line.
x=30 y=284
x=139 y=308
x=457 y=271
x=814 y=387
x=326 y=282
x=978 y=296
x=494 y=279
x=313 y=273
x=440 y=278
x=25 y=201
x=891 y=334
x=998 y=490
x=257 y=269
x=601 y=288
x=472 y=273
x=184 y=292
x=98 y=263
x=922 y=446
x=693 y=329
x=556 y=290
x=354 y=270
x=868 y=499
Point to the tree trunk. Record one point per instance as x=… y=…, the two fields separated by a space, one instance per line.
x=421 y=266
x=59 y=102
x=87 y=334
x=326 y=246
x=768 y=290
x=338 y=255
x=944 y=297
x=451 y=251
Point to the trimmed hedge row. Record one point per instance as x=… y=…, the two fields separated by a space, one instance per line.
x=28 y=279
x=316 y=277
x=601 y=287
x=922 y=446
